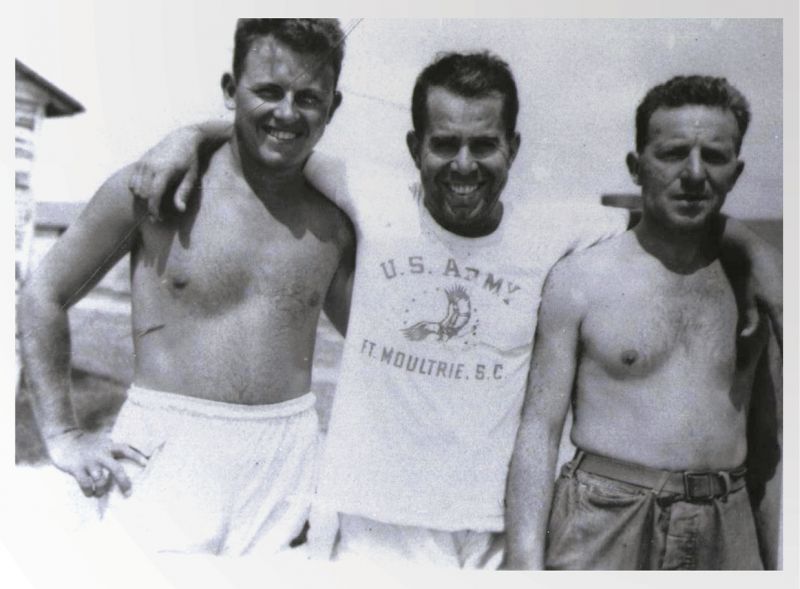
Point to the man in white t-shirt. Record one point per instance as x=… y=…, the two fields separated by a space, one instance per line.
x=444 y=303
x=443 y=313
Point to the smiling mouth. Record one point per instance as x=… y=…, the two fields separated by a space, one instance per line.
x=463 y=188
x=280 y=135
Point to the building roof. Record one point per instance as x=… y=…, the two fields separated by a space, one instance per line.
x=60 y=103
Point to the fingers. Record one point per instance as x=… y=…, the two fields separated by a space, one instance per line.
x=185 y=187
x=125 y=451
x=85 y=482
x=141 y=181
x=142 y=184
x=100 y=480
x=118 y=474
x=155 y=193
x=152 y=196
x=135 y=181
x=751 y=318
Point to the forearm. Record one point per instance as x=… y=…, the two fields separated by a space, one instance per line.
x=46 y=357
x=745 y=249
x=528 y=498
x=213 y=133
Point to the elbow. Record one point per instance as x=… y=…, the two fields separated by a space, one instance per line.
x=36 y=299
x=27 y=303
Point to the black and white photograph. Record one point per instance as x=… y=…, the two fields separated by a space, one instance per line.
x=400 y=297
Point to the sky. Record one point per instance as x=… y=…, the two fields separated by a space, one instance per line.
x=142 y=69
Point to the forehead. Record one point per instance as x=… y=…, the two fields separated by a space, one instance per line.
x=693 y=123
x=450 y=113
x=271 y=60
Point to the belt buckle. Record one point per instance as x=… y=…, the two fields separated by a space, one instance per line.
x=698 y=486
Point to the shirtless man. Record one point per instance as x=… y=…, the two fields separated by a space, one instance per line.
x=225 y=304
x=659 y=381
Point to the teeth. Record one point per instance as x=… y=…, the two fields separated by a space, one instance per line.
x=281 y=135
x=463 y=188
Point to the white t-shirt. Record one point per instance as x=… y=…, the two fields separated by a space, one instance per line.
x=437 y=352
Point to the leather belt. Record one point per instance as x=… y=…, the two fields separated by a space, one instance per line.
x=692 y=485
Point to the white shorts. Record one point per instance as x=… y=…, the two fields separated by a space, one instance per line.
x=221 y=478
x=360 y=538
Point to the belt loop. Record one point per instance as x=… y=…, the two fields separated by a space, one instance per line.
x=726 y=482
x=662 y=480
x=576 y=462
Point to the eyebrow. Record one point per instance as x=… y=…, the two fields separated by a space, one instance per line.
x=677 y=141
x=448 y=135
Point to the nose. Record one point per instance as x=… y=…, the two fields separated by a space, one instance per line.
x=463 y=162
x=694 y=173
x=285 y=108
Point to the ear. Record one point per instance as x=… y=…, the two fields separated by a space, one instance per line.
x=337 y=100
x=514 y=145
x=739 y=170
x=228 y=91
x=632 y=159
x=413 y=143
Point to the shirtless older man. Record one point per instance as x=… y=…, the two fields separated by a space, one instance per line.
x=639 y=334
x=225 y=299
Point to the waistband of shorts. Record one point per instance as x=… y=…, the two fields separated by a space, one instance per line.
x=692 y=485
x=165 y=401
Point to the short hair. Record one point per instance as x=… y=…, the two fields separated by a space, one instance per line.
x=320 y=36
x=692 y=90
x=472 y=75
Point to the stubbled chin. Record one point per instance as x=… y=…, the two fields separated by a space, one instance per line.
x=464 y=215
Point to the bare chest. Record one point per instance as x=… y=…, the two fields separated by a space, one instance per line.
x=222 y=256
x=688 y=322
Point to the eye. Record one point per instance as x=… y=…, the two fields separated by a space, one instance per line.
x=307 y=99
x=483 y=147
x=713 y=156
x=270 y=92
x=672 y=154
x=444 y=146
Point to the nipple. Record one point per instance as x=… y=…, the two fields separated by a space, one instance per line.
x=629 y=357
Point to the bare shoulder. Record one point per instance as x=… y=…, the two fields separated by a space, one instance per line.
x=111 y=210
x=115 y=198
x=606 y=254
x=581 y=275
x=606 y=257
x=103 y=232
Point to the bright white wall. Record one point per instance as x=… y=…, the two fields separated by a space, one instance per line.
x=141 y=70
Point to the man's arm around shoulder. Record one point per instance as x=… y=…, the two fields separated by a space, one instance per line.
x=757 y=268
x=553 y=366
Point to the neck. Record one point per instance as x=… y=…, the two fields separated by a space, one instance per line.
x=481 y=227
x=679 y=251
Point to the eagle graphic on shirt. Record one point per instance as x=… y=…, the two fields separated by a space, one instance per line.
x=459 y=311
